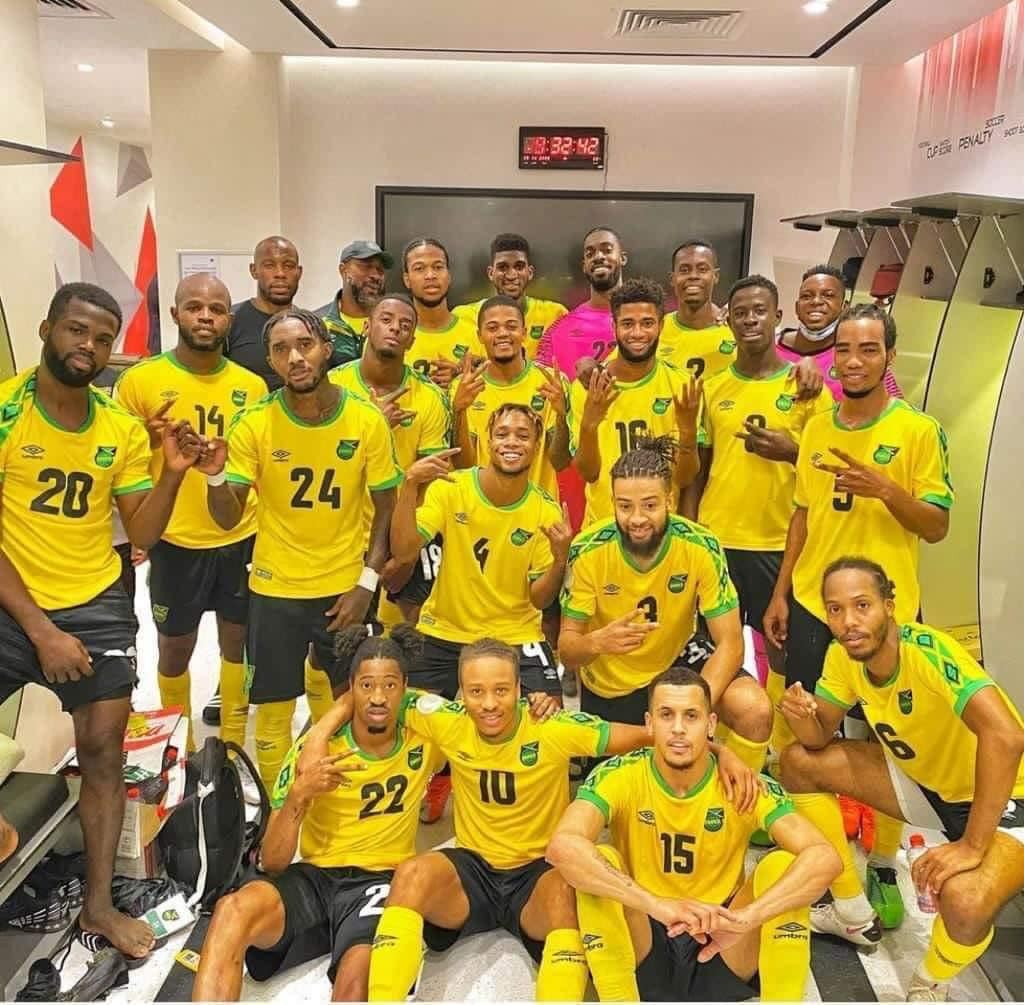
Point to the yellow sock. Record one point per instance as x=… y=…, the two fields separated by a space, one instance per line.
x=562 y=976
x=273 y=738
x=607 y=943
x=750 y=752
x=396 y=955
x=178 y=691
x=823 y=811
x=722 y=733
x=785 y=955
x=782 y=736
x=888 y=834
x=946 y=958
x=318 y=691
x=234 y=702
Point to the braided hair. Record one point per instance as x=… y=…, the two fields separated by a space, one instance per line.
x=355 y=645
x=310 y=321
x=652 y=457
x=514 y=406
x=885 y=586
x=488 y=646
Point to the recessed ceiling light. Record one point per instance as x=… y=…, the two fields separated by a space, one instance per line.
x=85 y=67
x=348 y=3
x=107 y=123
x=816 y=6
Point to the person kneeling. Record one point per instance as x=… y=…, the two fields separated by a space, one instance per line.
x=949 y=758
x=665 y=911
x=353 y=836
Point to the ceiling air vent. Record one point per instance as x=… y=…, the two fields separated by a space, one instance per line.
x=678 y=23
x=69 y=8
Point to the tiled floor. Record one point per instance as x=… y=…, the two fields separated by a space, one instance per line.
x=482 y=968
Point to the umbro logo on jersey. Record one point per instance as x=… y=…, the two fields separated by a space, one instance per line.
x=347 y=449
x=677 y=583
x=726 y=406
x=528 y=753
x=384 y=941
x=791 y=930
x=520 y=536
x=611 y=590
x=714 y=819
x=281 y=455
x=883 y=454
x=31 y=450
x=105 y=456
x=660 y=406
x=906 y=700
x=646 y=817
x=461 y=518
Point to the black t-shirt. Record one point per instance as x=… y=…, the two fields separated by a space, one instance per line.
x=245 y=342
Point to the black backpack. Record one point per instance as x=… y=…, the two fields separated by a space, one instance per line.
x=207 y=843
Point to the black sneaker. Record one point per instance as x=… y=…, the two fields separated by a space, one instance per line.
x=36 y=914
x=108 y=969
x=211 y=714
x=43 y=984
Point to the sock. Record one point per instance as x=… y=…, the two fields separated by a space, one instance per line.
x=318 y=691
x=234 y=702
x=782 y=736
x=178 y=691
x=722 y=733
x=273 y=738
x=750 y=752
x=823 y=811
x=396 y=955
x=562 y=976
x=784 y=960
x=946 y=958
x=607 y=942
x=760 y=657
x=888 y=834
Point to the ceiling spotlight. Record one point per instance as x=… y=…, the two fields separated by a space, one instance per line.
x=348 y=3
x=816 y=6
x=107 y=123
x=85 y=67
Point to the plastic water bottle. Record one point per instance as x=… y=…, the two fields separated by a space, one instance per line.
x=925 y=901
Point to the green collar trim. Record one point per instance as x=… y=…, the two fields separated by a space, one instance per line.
x=172 y=358
x=696 y=790
x=784 y=369
x=893 y=403
x=487 y=502
x=89 y=415
x=666 y=542
x=342 y=398
x=346 y=734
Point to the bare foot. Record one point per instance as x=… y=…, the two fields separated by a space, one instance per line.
x=133 y=937
x=8 y=840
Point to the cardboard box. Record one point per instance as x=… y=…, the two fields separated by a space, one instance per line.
x=147 y=865
x=142 y=822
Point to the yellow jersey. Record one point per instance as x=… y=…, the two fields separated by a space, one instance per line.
x=602 y=584
x=539 y=315
x=508 y=796
x=210 y=401
x=916 y=714
x=690 y=846
x=451 y=343
x=523 y=390
x=905 y=445
x=320 y=471
x=491 y=556
x=704 y=352
x=56 y=521
x=370 y=820
x=748 y=500
x=644 y=407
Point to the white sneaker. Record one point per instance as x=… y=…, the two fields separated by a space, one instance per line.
x=923 y=990
x=826 y=920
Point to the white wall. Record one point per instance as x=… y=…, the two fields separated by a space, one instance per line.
x=351 y=124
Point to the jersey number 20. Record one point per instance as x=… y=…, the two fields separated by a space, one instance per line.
x=75 y=486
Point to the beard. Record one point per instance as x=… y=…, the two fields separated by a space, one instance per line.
x=856 y=395
x=436 y=302
x=637 y=357
x=196 y=346
x=609 y=282
x=278 y=299
x=364 y=294
x=647 y=548
x=63 y=373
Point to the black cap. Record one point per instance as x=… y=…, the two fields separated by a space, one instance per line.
x=364 y=250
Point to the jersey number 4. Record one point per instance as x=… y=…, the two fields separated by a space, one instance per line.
x=75 y=486
x=481 y=551
x=329 y=492
x=677 y=853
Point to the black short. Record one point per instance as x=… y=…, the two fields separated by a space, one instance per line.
x=184 y=583
x=279 y=632
x=325 y=911
x=124 y=553
x=105 y=625
x=424 y=572
x=671 y=973
x=754 y=574
x=630 y=708
x=496 y=899
x=438 y=668
x=807 y=641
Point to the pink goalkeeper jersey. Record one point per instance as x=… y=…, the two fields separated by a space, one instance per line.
x=825 y=361
x=584 y=331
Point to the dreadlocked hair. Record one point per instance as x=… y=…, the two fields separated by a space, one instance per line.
x=355 y=645
x=514 y=406
x=310 y=321
x=652 y=457
x=490 y=647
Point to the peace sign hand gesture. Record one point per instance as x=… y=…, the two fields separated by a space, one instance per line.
x=858 y=479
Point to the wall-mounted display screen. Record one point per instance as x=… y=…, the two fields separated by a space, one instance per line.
x=580 y=147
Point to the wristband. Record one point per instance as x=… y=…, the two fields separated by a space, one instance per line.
x=368 y=579
x=214 y=480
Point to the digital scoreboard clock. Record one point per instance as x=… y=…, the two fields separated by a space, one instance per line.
x=572 y=147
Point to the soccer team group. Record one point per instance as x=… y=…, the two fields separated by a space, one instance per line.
x=427 y=507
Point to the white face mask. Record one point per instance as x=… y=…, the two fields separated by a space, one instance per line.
x=819 y=336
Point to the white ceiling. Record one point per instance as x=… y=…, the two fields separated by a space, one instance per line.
x=768 y=31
